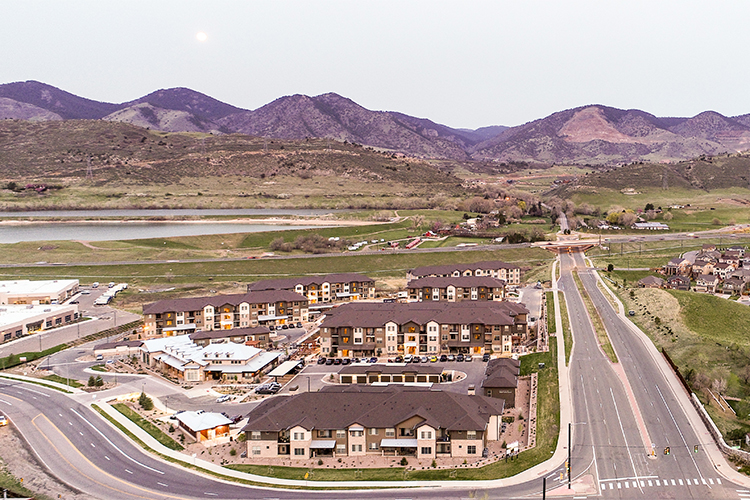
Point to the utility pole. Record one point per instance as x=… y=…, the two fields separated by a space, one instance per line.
x=570 y=445
x=544 y=488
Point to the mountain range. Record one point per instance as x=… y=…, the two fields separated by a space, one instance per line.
x=592 y=134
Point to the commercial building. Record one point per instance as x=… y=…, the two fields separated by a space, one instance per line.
x=424 y=328
x=456 y=288
x=510 y=273
x=356 y=421
x=203 y=426
x=223 y=312
x=342 y=287
x=19 y=320
x=178 y=357
x=258 y=336
x=37 y=292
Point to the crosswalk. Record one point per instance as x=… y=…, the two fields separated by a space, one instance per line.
x=657 y=482
x=743 y=494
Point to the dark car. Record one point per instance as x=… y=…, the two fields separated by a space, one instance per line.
x=285 y=327
x=416 y=359
x=337 y=361
x=321 y=361
x=299 y=325
x=236 y=418
x=329 y=361
x=486 y=357
x=346 y=361
x=443 y=358
x=460 y=357
x=373 y=360
x=399 y=359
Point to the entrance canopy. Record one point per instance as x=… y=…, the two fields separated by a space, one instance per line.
x=323 y=444
x=398 y=443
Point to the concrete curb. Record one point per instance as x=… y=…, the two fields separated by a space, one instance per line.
x=73 y=390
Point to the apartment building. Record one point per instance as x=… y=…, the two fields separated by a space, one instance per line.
x=342 y=287
x=456 y=288
x=356 y=421
x=423 y=328
x=223 y=312
x=510 y=273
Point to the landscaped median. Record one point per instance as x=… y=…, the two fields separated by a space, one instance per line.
x=548 y=427
x=596 y=320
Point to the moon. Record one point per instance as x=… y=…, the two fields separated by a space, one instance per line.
x=201 y=36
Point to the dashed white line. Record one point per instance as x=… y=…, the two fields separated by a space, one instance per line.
x=93 y=445
x=162 y=484
x=105 y=456
x=4 y=401
x=128 y=471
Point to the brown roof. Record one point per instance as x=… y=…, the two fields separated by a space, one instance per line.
x=397 y=369
x=450 y=268
x=291 y=283
x=234 y=332
x=502 y=372
x=651 y=280
x=198 y=303
x=375 y=315
x=338 y=407
x=458 y=281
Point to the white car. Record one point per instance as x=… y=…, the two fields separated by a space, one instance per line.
x=224 y=398
x=3 y=421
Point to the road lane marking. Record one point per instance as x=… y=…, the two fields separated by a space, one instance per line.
x=93 y=445
x=680 y=480
x=622 y=429
x=114 y=446
x=673 y=483
x=162 y=484
x=128 y=471
x=649 y=483
x=6 y=402
x=105 y=456
x=211 y=494
x=32 y=390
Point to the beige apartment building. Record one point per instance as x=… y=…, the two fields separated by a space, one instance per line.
x=342 y=287
x=510 y=273
x=456 y=288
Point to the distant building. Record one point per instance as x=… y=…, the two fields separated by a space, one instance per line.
x=651 y=226
x=342 y=287
x=37 y=292
x=456 y=288
x=258 y=336
x=651 y=282
x=510 y=273
x=678 y=283
x=19 y=320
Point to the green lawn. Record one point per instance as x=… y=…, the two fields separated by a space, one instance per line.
x=147 y=426
x=63 y=380
x=551 y=323
x=567 y=333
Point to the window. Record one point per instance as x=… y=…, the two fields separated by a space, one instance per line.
x=471 y=449
x=389 y=433
x=299 y=452
x=255 y=435
x=427 y=450
x=372 y=432
x=340 y=434
x=340 y=449
x=471 y=434
x=356 y=447
x=324 y=434
x=299 y=436
x=357 y=433
x=256 y=450
x=373 y=446
x=425 y=435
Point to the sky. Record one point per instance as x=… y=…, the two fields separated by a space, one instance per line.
x=461 y=63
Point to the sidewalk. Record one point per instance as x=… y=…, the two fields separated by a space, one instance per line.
x=73 y=390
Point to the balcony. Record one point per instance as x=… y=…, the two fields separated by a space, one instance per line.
x=443 y=439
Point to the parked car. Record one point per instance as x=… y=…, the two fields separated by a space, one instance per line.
x=373 y=360
x=321 y=361
x=408 y=358
x=433 y=359
x=270 y=388
x=224 y=398
x=346 y=361
x=399 y=359
x=486 y=357
x=468 y=358
x=443 y=358
x=236 y=418
x=460 y=357
x=299 y=325
x=425 y=359
x=416 y=359
x=451 y=357
x=3 y=421
x=329 y=361
x=337 y=361
x=285 y=327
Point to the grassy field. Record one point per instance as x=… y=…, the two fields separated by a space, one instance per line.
x=596 y=321
x=147 y=426
x=551 y=323
x=63 y=380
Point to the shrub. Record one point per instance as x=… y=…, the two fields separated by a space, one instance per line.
x=404 y=461
x=434 y=463
x=92 y=381
x=232 y=452
x=320 y=461
x=145 y=402
x=99 y=381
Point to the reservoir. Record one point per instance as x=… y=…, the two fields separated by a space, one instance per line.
x=115 y=230
x=168 y=212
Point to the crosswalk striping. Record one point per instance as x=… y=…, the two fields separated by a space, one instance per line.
x=627 y=483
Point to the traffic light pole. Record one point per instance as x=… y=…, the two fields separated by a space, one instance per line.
x=570 y=443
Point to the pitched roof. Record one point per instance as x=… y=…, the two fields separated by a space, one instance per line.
x=651 y=280
x=338 y=407
x=234 y=332
x=502 y=372
x=375 y=315
x=291 y=283
x=198 y=303
x=450 y=268
x=458 y=281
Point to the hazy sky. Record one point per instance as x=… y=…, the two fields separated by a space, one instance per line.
x=463 y=63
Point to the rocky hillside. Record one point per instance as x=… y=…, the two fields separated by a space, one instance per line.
x=595 y=134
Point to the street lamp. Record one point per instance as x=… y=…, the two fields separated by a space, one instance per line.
x=570 y=446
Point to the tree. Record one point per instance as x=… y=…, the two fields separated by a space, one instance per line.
x=668 y=216
x=649 y=206
x=145 y=402
x=92 y=381
x=610 y=268
x=99 y=381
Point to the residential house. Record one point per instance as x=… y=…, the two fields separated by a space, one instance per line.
x=456 y=288
x=724 y=269
x=510 y=273
x=361 y=421
x=678 y=283
x=702 y=266
x=708 y=247
x=679 y=266
x=734 y=285
x=706 y=283
x=223 y=312
x=501 y=380
x=737 y=248
x=423 y=328
x=651 y=282
x=731 y=257
x=341 y=287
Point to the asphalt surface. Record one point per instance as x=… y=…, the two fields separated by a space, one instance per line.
x=614 y=426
